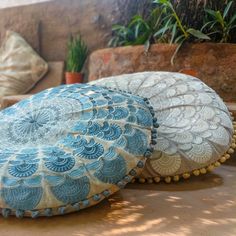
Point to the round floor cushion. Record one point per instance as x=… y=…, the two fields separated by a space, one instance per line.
x=195 y=126
x=69 y=147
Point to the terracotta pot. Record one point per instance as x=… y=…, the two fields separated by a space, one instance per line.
x=74 y=77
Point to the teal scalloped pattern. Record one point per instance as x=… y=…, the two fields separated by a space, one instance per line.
x=67 y=148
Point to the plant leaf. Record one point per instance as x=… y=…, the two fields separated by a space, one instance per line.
x=211 y=12
x=220 y=17
x=117 y=27
x=147 y=46
x=232 y=27
x=161 y=1
x=215 y=32
x=232 y=19
x=159 y=32
x=213 y=25
x=177 y=50
x=227 y=9
x=173 y=33
x=137 y=27
x=208 y=23
x=198 y=34
x=179 y=39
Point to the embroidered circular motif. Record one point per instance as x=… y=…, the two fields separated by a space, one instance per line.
x=34 y=121
x=195 y=125
x=69 y=147
x=34 y=125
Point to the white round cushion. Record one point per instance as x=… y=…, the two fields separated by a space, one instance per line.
x=195 y=125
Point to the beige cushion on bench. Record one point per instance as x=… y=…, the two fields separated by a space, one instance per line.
x=53 y=78
x=20 y=66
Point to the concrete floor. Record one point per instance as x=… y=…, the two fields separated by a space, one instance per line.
x=202 y=206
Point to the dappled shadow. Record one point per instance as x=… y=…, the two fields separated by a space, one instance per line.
x=147 y=210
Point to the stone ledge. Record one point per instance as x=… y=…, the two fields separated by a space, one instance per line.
x=215 y=63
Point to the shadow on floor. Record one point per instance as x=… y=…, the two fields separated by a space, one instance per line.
x=203 y=206
x=209 y=180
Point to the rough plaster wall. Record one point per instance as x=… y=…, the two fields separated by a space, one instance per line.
x=60 y=18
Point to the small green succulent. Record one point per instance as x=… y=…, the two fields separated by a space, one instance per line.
x=77 y=54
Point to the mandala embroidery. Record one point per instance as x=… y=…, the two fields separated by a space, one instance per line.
x=66 y=145
x=34 y=125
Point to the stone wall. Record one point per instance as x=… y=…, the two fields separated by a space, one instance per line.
x=59 y=19
x=214 y=63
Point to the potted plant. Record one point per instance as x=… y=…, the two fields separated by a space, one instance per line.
x=166 y=41
x=162 y=26
x=76 y=57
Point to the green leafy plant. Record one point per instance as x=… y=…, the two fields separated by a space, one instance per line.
x=179 y=33
x=219 y=24
x=139 y=31
x=77 y=54
x=162 y=26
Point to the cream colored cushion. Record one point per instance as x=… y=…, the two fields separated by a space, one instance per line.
x=20 y=66
x=195 y=125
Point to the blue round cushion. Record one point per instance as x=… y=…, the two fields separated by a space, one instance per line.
x=69 y=147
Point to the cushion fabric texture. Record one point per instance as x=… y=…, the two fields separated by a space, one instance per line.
x=195 y=125
x=69 y=147
x=20 y=66
x=28 y=29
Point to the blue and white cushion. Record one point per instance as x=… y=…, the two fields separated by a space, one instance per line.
x=69 y=147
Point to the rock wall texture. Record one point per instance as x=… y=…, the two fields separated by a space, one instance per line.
x=214 y=63
x=48 y=25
